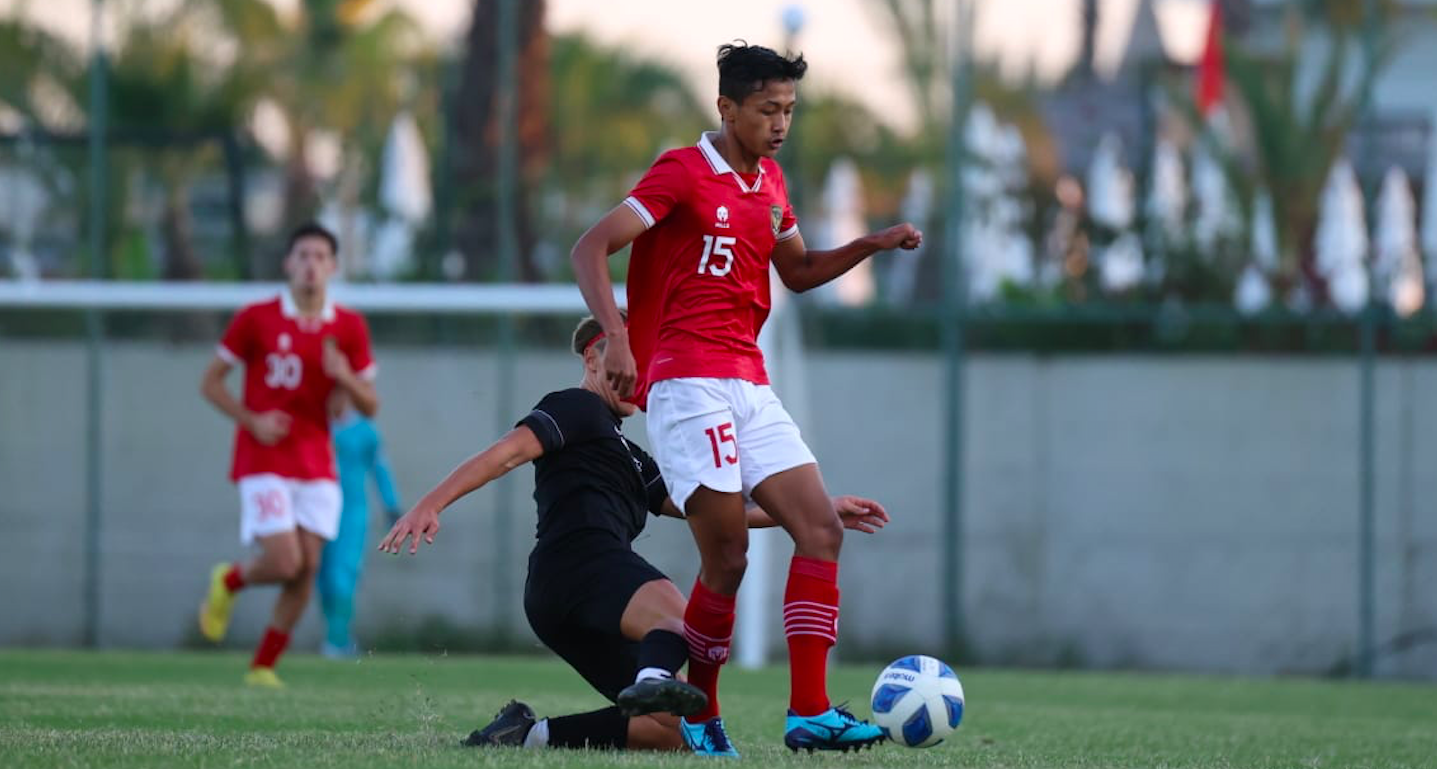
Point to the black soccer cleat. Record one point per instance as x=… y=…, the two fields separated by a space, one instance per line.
x=661 y=695
x=509 y=727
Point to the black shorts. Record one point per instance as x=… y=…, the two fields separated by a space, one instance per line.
x=575 y=597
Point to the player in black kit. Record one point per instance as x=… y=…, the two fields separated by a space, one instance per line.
x=589 y=597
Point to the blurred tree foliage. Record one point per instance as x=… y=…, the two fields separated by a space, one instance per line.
x=474 y=117
x=342 y=67
x=1290 y=129
x=182 y=75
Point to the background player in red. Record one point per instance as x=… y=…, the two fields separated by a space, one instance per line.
x=296 y=349
x=706 y=222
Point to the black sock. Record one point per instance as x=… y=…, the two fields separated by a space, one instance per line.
x=663 y=649
x=606 y=729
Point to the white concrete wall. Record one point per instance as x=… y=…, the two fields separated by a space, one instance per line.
x=1158 y=512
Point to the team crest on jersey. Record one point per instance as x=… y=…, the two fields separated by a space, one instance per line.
x=284 y=341
x=775 y=218
x=721 y=215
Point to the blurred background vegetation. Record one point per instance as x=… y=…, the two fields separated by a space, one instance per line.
x=230 y=121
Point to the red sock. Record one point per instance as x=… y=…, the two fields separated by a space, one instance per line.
x=708 y=627
x=270 y=647
x=810 y=623
x=233 y=579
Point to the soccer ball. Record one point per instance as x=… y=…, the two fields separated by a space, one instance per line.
x=917 y=701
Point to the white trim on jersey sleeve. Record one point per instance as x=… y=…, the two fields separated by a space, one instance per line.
x=638 y=207
x=787 y=234
x=370 y=372
x=227 y=355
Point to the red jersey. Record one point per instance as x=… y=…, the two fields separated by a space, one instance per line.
x=698 y=284
x=282 y=355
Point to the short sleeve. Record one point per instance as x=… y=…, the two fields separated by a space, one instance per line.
x=358 y=350
x=238 y=340
x=788 y=223
x=655 y=491
x=665 y=184
x=568 y=417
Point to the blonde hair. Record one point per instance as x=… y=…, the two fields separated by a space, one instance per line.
x=587 y=330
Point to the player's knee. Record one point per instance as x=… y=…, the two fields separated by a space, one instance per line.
x=725 y=571
x=287 y=570
x=304 y=571
x=830 y=536
x=822 y=539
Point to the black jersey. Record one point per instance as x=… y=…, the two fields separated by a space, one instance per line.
x=590 y=478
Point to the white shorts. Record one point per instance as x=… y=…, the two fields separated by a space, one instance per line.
x=271 y=504
x=725 y=434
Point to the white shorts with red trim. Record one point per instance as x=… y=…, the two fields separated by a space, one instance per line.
x=725 y=434
x=272 y=504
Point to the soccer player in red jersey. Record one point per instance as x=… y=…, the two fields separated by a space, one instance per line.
x=296 y=349
x=706 y=222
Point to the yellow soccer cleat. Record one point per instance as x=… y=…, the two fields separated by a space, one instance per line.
x=263 y=678
x=216 y=609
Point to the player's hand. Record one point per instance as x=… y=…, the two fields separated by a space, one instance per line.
x=269 y=427
x=419 y=523
x=619 y=367
x=336 y=363
x=860 y=514
x=904 y=236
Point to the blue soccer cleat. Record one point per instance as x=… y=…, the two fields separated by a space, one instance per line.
x=707 y=738
x=833 y=729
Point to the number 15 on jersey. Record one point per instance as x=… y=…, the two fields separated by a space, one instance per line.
x=717 y=246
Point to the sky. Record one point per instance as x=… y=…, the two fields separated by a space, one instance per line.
x=848 y=43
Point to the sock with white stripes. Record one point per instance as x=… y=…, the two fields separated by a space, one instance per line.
x=708 y=628
x=810 y=623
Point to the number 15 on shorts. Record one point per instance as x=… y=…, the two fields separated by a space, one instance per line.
x=720 y=437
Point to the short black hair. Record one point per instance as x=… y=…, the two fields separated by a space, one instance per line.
x=744 y=68
x=313 y=230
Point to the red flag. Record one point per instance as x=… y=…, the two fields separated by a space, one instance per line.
x=1210 y=73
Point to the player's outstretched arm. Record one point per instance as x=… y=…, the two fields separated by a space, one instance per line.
x=802 y=269
x=268 y=428
x=590 y=258
x=516 y=448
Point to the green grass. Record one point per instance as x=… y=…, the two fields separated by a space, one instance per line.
x=74 y=709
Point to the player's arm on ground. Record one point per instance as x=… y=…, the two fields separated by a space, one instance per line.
x=516 y=448
x=801 y=268
x=590 y=258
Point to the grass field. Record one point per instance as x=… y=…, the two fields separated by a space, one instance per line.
x=74 y=709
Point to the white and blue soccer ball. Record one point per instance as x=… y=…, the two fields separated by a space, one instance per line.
x=917 y=701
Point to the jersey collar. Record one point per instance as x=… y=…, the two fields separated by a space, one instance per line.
x=721 y=166
x=291 y=310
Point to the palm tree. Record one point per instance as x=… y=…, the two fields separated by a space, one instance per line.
x=474 y=118
x=337 y=65
x=159 y=84
x=1296 y=134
